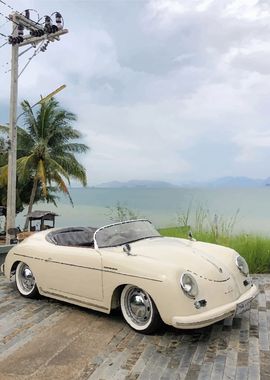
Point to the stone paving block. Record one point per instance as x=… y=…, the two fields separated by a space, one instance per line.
x=241 y=373
x=265 y=365
x=205 y=371
x=254 y=372
x=199 y=354
x=254 y=352
x=113 y=367
x=236 y=348
x=263 y=331
x=218 y=367
x=231 y=357
x=170 y=374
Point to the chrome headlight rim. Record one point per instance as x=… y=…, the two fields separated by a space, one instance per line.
x=242 y=265
x=189 y=285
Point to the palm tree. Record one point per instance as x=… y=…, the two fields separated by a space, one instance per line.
x=47 y=151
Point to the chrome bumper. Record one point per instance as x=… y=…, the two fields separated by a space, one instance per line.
x=211 y=316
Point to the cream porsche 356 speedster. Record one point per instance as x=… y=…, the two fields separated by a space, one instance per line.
x=184 y=283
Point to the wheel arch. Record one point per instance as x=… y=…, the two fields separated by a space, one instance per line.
x=115 y=298
x=116 y=294
x=13 y=268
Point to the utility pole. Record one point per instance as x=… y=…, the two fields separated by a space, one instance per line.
x=38 y=33
x=12 y=153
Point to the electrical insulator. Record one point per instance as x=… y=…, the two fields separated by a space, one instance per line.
x=54 y=29
x=20 y=30
x=49 y=28
x=27 y=13
x=44 y=47
x=37 y=33
x=58 y=20
x=15 y=40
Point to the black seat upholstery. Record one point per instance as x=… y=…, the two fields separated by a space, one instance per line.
x=73 y=237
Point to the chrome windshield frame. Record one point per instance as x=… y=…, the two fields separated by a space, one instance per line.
x=117 y=224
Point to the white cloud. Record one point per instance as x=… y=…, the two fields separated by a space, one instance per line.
x=174 y=80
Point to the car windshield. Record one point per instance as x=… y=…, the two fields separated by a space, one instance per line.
x=125 y=232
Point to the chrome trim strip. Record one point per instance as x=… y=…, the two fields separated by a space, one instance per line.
x=97 y=269
x=208 y=279
x=74 y=299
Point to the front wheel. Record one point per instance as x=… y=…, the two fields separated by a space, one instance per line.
x=25 y=281
x=139 y=310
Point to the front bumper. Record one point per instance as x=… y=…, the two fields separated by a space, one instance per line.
x=211 y=316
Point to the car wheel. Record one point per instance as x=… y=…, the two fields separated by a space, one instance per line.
x=25 y=281
x=139 y=310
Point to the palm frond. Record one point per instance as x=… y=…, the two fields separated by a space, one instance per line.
x=25 y=165
x=62 y=186
x=4 y=175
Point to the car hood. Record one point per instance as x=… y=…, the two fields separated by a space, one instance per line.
x=202 y=259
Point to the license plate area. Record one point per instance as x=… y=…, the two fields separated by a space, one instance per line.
x=243 y=306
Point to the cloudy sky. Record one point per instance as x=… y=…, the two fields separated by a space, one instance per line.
x=174 y=90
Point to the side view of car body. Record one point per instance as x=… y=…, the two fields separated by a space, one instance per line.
x=184 y=283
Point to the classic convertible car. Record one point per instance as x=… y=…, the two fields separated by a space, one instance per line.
x=181 y=282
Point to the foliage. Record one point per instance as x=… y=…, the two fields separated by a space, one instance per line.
x=46 y=149
x=216 y=229
x=255 y=249
x=202 y=220
x=119 y=213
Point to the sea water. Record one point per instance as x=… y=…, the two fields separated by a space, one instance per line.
x=163 y=206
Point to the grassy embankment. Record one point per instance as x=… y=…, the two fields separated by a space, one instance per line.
x=254 y=248
x=212 y=229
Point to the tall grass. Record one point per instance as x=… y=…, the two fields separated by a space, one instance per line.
x=218 y=230
x=212 y=228
x=255 y=249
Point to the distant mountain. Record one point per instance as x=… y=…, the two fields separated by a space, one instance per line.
x=137 y=183
x=237 y=182
x=223 y=182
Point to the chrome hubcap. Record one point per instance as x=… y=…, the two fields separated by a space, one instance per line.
x=27 y=279
x=138 y=306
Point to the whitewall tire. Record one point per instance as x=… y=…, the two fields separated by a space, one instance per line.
x=139 y=310
x=25 y=281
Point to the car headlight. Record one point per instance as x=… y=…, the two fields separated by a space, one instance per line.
x=189 y=285
x=242 y=265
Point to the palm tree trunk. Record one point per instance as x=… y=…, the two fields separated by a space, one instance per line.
x=31 y=202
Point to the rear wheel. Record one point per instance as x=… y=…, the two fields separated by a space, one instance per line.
x=139 y=310
x=25 y=281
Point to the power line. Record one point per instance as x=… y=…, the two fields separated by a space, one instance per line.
x=7 y=5
x=4 y=65
x=5 y=23
x=6 y=17
x=37 y=50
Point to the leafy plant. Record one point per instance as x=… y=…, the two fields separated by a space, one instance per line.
x=119 y=213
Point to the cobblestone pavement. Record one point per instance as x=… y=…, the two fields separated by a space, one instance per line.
x=46 y=339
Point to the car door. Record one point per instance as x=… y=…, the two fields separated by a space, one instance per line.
x=74 y=272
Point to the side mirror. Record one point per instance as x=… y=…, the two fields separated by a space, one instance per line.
x=190 y=236
x=127 y=249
